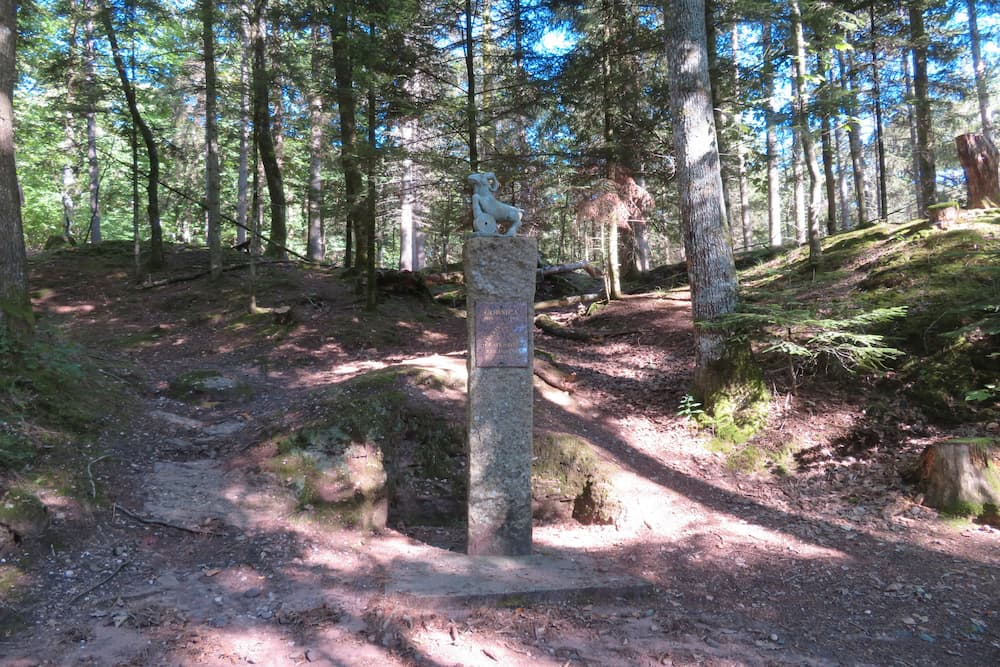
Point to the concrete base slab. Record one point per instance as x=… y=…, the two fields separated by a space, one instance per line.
x=443 y=578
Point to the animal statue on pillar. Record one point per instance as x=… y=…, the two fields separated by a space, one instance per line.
x=488 y=213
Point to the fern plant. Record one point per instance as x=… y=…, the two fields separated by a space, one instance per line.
x=802 y=338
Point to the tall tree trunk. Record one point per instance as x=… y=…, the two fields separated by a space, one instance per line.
x=843 y=195
x=724 y=369
x=156 y=257
x=911 y=123
x=316 y=247
x=721 y=136
x=919 y=39
x=802 y=121
x=90 y=84
x=743 y=209
x=69 y=127
x=347 y=108
x=979 y=68
x=213 y=214
x=826 y=136
x=245 y=129
x=854 y=135
x=16 y=319
x=800 y=204
x=265 y=140
x=883 y=175
x=771 y=144
x=471 y=120
x=371 y=198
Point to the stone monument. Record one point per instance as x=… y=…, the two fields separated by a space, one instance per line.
x=500 y=285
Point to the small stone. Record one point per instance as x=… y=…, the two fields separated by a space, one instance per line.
x=908 y=620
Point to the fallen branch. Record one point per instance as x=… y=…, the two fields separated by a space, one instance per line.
x=551 y=374
x=90 y=475
x=201 y=274
x=567 y=301
x=569 y=268
x=553 y=328
x=157 y=522
x=100 y=583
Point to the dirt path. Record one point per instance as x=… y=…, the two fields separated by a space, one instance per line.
x=197 y=556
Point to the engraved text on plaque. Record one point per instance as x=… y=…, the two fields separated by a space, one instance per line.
x=501 y=334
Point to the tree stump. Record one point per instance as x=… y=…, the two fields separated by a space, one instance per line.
x=962 y=478
x=981 y=162
x=943 y=214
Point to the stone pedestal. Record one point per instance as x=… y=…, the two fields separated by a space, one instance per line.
x=500 y=286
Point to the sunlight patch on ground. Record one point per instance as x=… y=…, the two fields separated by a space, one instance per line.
x=73 y=310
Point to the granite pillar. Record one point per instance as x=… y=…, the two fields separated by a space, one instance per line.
x=500 y=286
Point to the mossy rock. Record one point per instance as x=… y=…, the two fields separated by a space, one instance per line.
x=207 y=384
x=383 y=453
x=22 y=516
x=569 y=480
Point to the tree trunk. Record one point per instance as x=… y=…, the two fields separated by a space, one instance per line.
x=265 y=141
x=243 y=175
x=213 y=214
x=721 y=134
x=371 y=291
x=911 y=123
x=724 y=371
x=743 y=210
x=156 y=257
x=799 y=202
x=981 y=162
x=347 y=108
x=919 y=39
x=471 y=120
x=826 y=150
x=316 y=247
x=854 y=136
x=979 y=67
x=802 y=121
x=962 y=478
x=16 y=319
x=69 y=191
x=876 y=96
x=771 y=145
x=843 y=195
x=90 y=84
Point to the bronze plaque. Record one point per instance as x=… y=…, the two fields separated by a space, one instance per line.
x=501 y=334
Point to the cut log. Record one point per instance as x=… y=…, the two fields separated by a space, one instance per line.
x=568 y=268
x=553 y=328
x=981 y=162
x=567 y=301
x=943 y=214
x=962 y=478
x=550 y=373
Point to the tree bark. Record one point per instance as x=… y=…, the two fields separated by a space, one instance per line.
x=746 y=223
x=979 y=68
x=826 y=137
x=924 y=149
x=69 y=190
x=961 y=479
x=771 y=144
x=213 y=214
x=265 y=140
x=156 y=257
x=876 y=96
x=723 y=367
x=90 y=85
x=243 y=174
x=854 y=135
x=471 y=120
x=316 y=246
x=16 y=319
x=981 y=162
x=802 y=121
x=347 y=108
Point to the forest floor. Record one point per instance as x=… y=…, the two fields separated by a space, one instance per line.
x=174 y=544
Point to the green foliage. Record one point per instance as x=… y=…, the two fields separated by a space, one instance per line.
x=690 y=408
x=50 y=393
x=802 y=338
